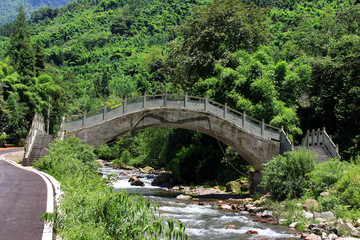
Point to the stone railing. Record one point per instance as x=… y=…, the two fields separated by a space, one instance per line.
x=259 y=128
x=321 y=138
x=36 y=126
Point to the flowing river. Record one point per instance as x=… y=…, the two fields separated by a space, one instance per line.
x=202 y=222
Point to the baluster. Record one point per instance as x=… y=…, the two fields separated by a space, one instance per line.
x=105 y=112
x=144 y=101
x=125 y=105
x=185 y=100
x=84 y=119
x=206 y=104
x=243 y=120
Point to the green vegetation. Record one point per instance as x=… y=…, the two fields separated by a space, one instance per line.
x=292 y=63
x=285 y=176
x=90 y=209
x=9 y=9
x=334 y=184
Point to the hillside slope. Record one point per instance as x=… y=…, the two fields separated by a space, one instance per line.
x=9 y=9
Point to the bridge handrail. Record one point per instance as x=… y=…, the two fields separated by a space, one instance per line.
x=321 y=138
x=36 y=125
x=259 y=128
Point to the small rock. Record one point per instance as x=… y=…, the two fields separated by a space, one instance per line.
x=183 y=197
x=258 y=203
x=293 y=225
x=328 y=215
x=310 y=204
x=298 y=205
x=137 y=183
x=201 y=203
x=249 y=207
x=350 y=226
x=340 y=221
x=349 y=220
x=176 y=188
x=325 y=193
x=324 y=235
x=334 y=230
x=100 y=161
x=217 y=188
x=252 y=232
x=231 y=227
x=307 y=215
x=317 y=230
x=323 y=225
x=355 y=233
x=347 y=238
x=133 y=179
x=313 y=237
x=304 y=235
x=282 y=221
x=321 y=220
x=267 y=214
x=332 y=236
x=225 y=207
x=357 y=224
x=257 y=209
x=147 y=170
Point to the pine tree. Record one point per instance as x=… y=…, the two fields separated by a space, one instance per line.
x=20 y=50
x=101 y=86
x=39 y=57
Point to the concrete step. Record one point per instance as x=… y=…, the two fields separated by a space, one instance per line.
x=319 y=150
x=41 y=143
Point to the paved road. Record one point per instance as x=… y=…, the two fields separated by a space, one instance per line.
x=22 y=201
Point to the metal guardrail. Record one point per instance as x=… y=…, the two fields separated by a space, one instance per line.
x=131 y=105
x=321 y=138
x=36 y=126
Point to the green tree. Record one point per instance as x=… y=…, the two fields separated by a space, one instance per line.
x=218 y=29
x=20 y=50
x=39 y=57
x=102 y=85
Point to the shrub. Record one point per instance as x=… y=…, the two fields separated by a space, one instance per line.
x=90 y=209
x=326 y=174
x=105 y=152
x=285 y=175
x=348 y=187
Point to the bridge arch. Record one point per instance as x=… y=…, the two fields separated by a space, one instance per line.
x=254 y=141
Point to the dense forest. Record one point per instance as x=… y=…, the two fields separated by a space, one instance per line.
x=9 y=9
x=292 y=63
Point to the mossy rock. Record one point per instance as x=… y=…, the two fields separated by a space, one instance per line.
x=233 y=186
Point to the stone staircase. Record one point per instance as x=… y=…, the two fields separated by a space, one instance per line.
x=321 y=151
x=41 y=143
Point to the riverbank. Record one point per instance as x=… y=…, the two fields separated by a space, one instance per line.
x=301 y=219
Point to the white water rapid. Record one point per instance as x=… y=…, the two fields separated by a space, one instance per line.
x=202 y=222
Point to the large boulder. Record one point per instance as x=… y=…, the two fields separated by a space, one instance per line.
x=147 y=170
x=134 y=181
x=233 y=186
x=310 y=205
x=164 y=180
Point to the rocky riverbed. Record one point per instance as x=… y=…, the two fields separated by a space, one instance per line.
x=322 y=226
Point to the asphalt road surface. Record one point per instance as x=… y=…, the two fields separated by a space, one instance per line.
x=22 y=201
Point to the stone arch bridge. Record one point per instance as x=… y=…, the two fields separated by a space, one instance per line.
x=253 y=140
